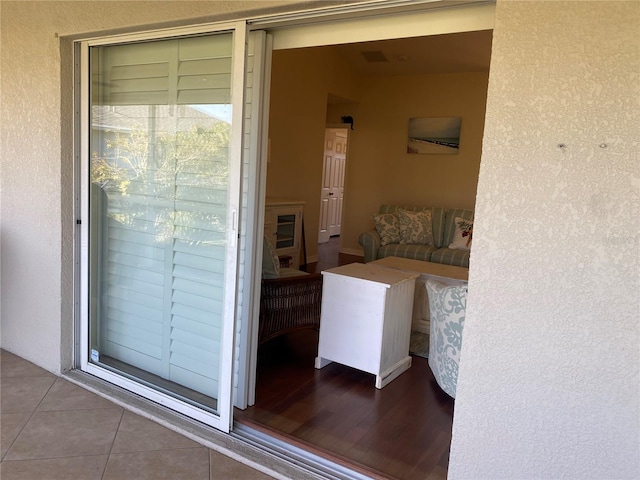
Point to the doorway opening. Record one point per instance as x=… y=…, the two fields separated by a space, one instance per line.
x=403 y=430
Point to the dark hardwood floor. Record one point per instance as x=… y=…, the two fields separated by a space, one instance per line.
x=402 y=431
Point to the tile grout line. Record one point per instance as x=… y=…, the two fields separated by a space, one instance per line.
x=32 y=413
x=104 y=470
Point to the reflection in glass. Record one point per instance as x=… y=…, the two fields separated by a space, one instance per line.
x=160 y=126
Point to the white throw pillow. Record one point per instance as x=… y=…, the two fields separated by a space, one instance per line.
x=463 y=235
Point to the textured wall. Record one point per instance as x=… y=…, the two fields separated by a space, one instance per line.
x=549 y=385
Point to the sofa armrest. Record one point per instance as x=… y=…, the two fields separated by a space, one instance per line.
x=370 y=242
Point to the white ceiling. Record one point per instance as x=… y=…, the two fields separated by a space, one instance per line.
x=449 y=53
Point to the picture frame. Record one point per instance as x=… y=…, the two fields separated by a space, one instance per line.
x=434 y=135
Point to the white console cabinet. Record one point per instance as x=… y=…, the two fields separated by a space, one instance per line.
x=366 y=319
x=446 y=274
x=283 y=227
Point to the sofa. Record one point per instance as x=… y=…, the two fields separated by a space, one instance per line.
x=440 y=235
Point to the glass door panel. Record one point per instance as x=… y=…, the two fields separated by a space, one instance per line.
x=161 y=259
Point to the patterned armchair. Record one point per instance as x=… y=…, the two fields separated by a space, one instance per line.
x=447 y=308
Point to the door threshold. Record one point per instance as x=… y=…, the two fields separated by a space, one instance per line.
x=308 y=456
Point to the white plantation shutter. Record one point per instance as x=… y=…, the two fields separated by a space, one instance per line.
x=187 y=72
x=164 y=226
x=255 y=128
x=197 y=283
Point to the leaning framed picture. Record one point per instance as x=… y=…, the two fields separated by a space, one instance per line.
x=435 y=135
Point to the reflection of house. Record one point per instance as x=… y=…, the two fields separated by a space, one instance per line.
x=549 y=371
x=112 y=126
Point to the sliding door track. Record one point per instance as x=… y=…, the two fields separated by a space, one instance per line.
x=306 y=460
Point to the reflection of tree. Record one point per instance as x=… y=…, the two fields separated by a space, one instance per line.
x=198 y=151
x=108 y=175
x=155 y=181
x=130 y=157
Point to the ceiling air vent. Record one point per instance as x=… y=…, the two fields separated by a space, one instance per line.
x=374 y=56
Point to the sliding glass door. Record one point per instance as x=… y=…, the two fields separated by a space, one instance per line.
x=161 y=197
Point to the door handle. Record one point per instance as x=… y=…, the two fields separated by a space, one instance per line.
x=330 y=193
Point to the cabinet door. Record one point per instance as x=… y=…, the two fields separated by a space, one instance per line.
x=286 y=226
x=283 y=227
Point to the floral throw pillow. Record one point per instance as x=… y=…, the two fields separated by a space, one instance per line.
x=387 y=227
x=416 y=228
x=463 y=234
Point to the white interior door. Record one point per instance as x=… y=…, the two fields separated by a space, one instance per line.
x=162 y=126
x=332 y=190
x=336 y=193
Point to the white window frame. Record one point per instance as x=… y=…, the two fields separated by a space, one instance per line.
x=223 y=419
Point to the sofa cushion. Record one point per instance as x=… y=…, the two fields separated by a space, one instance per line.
x=463 y=234
x=438 y=218
x=450 y=224
x=449 y=256
x=387 y=227
x=415 y=227
x=415 y=252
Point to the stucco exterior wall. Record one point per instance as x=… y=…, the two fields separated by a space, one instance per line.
x=549 y=380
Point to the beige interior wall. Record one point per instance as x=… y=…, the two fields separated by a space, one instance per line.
x=301 y=82
x=379 y=169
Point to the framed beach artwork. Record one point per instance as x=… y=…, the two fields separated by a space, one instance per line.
x=436 y=135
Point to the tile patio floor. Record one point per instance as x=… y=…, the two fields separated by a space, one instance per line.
x=52 y=429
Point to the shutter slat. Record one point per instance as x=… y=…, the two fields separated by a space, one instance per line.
x=196 y=315
x=206 y=385
x=210 y=331
x=181 y=284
